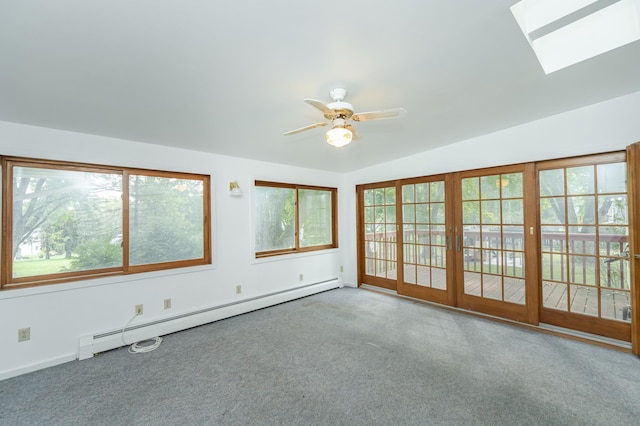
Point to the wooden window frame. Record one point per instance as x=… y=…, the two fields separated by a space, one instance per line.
x=297 y=248
x=9 y=282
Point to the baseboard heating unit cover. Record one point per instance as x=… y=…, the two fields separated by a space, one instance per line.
x=93 y=344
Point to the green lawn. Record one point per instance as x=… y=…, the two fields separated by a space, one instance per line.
x=28 y=268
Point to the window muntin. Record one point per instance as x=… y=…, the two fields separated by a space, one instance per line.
x=292 y=218
x=68 y=221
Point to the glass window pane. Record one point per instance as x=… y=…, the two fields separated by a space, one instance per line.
x=437 y=213
x=422 y=213
x=612 y=178
x=614 y=241
x=422 y=192
x=580 y=180
x=554 y=239
x=378 y=197
x=407 y=194
x=423 y=234
x=490 y=211
x=390 y=196
x=409 y=233
x=275 y=218
x=437 y=192
x=582 y=270
x=613 y=209
x=581 y=210
x=511 y=185
x=315 y=217
x=165 y=219
x=513 y=237
x=65 y=221
x=512 y=212
x=552 y=210
x=615 y=305
x=409 y=213
x=551 y=182
x=583 y=300
x=554 y=267
x=490 y=187
x=369 y=214
x=614 y=273
x=471 y=189
x=390 y=214
x=582 y=240
x=471 y=212
x=368 y=197
x=555 y=296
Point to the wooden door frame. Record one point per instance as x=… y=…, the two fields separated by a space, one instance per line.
x=361 y=267
x=633 y=193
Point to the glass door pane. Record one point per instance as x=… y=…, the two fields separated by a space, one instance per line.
x=379 y=236
x=424 y=240
x=493 y=237
x=495 y=267
x=585 y=246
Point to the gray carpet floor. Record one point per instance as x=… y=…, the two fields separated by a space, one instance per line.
x=342 y=357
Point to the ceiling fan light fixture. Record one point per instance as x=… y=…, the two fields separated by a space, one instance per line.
x=338 y=136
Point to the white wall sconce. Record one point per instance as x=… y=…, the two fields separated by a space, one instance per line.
x=234 y=189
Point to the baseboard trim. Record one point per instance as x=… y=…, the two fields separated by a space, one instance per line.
x=593 y=339
x=100 y=342
x=37 y=366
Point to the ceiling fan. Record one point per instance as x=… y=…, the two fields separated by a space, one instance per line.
x=339 y=113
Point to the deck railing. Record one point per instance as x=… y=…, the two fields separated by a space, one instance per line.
x=583 y=248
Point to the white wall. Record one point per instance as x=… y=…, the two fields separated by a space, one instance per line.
x=603 y=127
x=60 y=314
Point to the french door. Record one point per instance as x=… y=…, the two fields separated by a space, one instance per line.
x=378 y=235
x=584 y=247
x=426 y=244
x=550 y=242
x=495 y=242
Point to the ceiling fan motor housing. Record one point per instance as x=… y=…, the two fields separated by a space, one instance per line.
x=340 y=109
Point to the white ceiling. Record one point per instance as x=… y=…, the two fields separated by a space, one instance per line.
x=229 y=77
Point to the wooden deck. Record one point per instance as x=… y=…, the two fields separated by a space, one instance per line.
x=583 y=299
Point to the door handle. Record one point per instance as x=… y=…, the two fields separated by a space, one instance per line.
x=457 y=243
x=637 y=256
x=448 y=242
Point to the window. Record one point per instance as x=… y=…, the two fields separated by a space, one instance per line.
x=67 y=221
x=294 y=218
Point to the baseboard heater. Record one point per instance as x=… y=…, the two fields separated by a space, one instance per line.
x=93 y=344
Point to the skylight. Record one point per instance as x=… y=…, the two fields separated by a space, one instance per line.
x=563 y=33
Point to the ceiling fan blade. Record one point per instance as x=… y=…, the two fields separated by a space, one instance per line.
x=354 y=134
x=377 y=115
x=328 y=112
x=302 y=129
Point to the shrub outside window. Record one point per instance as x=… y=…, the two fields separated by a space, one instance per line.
x=294 y=218
x=69 y=221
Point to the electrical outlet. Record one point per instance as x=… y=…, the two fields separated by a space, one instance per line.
x=301 y=277
x=24 y=334
x=341 y=268
x=238 y=289
x=139 y=310
x=167 y=303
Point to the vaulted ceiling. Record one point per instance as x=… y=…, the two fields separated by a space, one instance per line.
x=230 y=77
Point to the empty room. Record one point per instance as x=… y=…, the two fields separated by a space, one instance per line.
x=362 y=213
